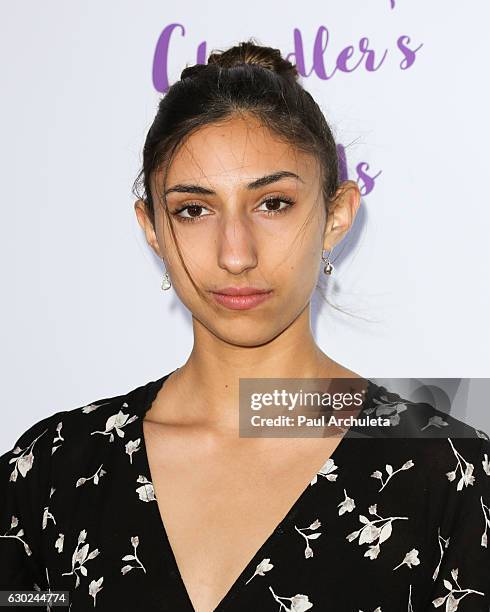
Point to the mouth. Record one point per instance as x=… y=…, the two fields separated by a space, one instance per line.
x=244 y=298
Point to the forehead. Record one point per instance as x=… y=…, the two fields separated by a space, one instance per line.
x=237 y=150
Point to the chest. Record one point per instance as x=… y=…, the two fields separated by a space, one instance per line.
x=219 y=508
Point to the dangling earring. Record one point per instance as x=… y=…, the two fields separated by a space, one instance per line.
x=166 y=284
x=328 y=269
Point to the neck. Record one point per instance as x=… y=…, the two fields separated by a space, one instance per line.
x=214 y=368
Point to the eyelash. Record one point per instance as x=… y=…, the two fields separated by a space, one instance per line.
x=289 y=201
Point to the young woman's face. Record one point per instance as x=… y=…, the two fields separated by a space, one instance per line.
x=248 y=212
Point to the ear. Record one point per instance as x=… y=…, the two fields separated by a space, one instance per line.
x=342 y=212
x=147 y=226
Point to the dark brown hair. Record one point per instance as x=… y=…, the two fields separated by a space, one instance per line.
x=247 y=78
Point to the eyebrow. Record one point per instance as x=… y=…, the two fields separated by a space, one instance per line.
x=256 y=184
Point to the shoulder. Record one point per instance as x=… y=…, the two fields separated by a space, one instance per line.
x=447 y=449
x=68 y=432
x=47 y=457
x=418 y=419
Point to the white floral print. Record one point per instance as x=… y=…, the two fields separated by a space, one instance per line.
x=486 y=464
x=59 y=438
x=91 y=407
x=95 y=477
x=411 y=559
x=379 y=529
x=95 y=587
x=146 y=492
x=116 y=422
x=443 y=544
x=132 y=447
x=298 y=603
x=309 y=536
x=486 y=519
x=435 y=421
x=385 y=408
x=466 y=471
x=455 y=595
x=389 y=470
x=80 y=557
x=326 y=472
x=59 y=542
x=47 y=515
x=262 y=567
x=134 y=557
x=347 y=505
x=14 y=523
x=25 y=460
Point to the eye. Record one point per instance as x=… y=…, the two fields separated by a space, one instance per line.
x=193 y=211
x=276 y=202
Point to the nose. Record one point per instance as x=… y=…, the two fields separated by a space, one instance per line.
x=236 y=244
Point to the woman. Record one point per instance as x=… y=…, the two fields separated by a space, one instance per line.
x=151 y=500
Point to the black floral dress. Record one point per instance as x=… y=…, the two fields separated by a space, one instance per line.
x=388 y=524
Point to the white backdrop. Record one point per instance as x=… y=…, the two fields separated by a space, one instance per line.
x=83 y=316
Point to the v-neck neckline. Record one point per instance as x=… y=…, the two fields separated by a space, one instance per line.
x=151 y=390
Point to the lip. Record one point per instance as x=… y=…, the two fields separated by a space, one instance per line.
x=241 y=298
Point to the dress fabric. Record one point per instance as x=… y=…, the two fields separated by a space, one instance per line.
x=388 y=524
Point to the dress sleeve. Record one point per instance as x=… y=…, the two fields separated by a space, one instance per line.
x=462 y=578
x=24 y=491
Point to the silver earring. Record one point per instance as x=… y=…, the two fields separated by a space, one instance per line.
x=166 y=284
x=328 y=269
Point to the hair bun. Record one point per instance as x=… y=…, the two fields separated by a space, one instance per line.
x=192 y=71
x=247 y=52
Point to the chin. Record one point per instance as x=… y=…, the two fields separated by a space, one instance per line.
x=247 y=328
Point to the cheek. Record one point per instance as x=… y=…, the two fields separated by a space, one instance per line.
x=196 y=249
x=301 y=284
x=197 y=263
x=304 y=263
